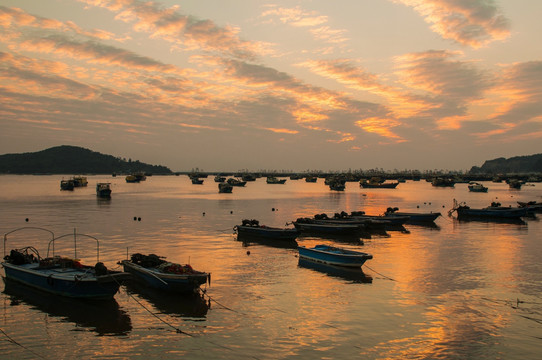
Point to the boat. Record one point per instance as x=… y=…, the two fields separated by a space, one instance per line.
x=254 y=229
x=477 y=187
x=248 y=177
x=103 y=190
x=337 y=186
x=311 y=179
x=136 y=177
x=225 y=188
x=158 y=273
x=532 y=206
x=377 y=184
x=67 y=184
x=515 y=184
x=494 y=211
x=61 y=275
x=274 y=180
x=236 y=182
x=414 y=217
x=79 y=181
x=315 y=226
x=350 y=274
x=334 y=255
x=196 y=181
x=220 y=179
x=443 y=182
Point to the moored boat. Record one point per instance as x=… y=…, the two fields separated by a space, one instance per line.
x=225 y=188
x=477 y=187
x=377 y=184
x=79 y=181
x=254 y=229
x=67 y=184
x=414 y=217
x=61 y=275
x=274 y=180
x=156 y=272
x=334 y=256
x=236 y=182
x=494 y=211
x=103 y=190
x=315 y=226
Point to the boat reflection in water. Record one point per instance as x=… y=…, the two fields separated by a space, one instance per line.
x=249 y=240
x=344 y=239
x=355 y=275
x=186 y=305
x=101 y=316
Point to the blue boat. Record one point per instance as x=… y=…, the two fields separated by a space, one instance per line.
x=334 y=256
x=61 y=275
x=155 y=272
x=254 y=229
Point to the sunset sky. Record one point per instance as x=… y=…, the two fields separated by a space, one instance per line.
x=225 y=85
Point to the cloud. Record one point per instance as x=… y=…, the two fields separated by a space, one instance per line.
x=181 y=30
x=473 y=23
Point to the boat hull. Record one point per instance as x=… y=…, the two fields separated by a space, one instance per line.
x=268 y=232
x=416 y=217
x=73 y=283
x=336 y=229
x=177 y=283
x=334 y=256
x=512 y=213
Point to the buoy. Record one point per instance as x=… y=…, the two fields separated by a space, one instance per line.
x=272 y=209
x=135 y=218
x=138 y=219
x=248 y=252
x=204 y=213
x=418 y=206
x=26 y=219
x=231 y=211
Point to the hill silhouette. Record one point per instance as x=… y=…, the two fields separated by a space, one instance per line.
x=517 y=164
x=67 y=159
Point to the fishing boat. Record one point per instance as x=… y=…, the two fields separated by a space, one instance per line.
x=79 y=181
x=67 y=184
x=274 y=180
x=315 y=226
x=220 y=179
x=375 y=184
x=61 y=275
x=334 y=256
x=254 y=229
x=494 y=211
x=196 y=181
x=414 y=217
x=477 y=187
x=103 y=190
x=532 y=206
x=158 y=273
x=443 y=182
x=236 y=182
x=225 y=188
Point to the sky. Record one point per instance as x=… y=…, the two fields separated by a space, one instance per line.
x=297 y=85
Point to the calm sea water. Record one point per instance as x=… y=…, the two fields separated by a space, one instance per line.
x=460 y=290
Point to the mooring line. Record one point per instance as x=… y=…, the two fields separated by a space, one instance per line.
x=11 y=340
x=386 y=277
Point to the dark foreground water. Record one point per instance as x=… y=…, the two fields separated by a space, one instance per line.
x=460 y=290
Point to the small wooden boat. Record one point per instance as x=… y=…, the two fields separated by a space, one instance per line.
x=477 y=187
x=337 y=186
x=254 y=229
x=79 y=181
x=532 y=206
x=274 y=180
x=334 y=256
x=155 y=272
x=315 y=226
x=196 y=181
x=225 y=188
x=236 y=182
x=61 y=275
x=67 y=184
x=220 y=179
x=414 y=217
x=443 y=182
x=103 y=190
x=494 y=211
x=371 y=184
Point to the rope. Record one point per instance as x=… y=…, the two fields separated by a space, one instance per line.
x=386 y=277
x=11 y=340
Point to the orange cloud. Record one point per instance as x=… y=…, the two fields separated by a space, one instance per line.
x=474 y=23
x=381 y=127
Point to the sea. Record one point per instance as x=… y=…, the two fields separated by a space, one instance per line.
x=454 y=290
